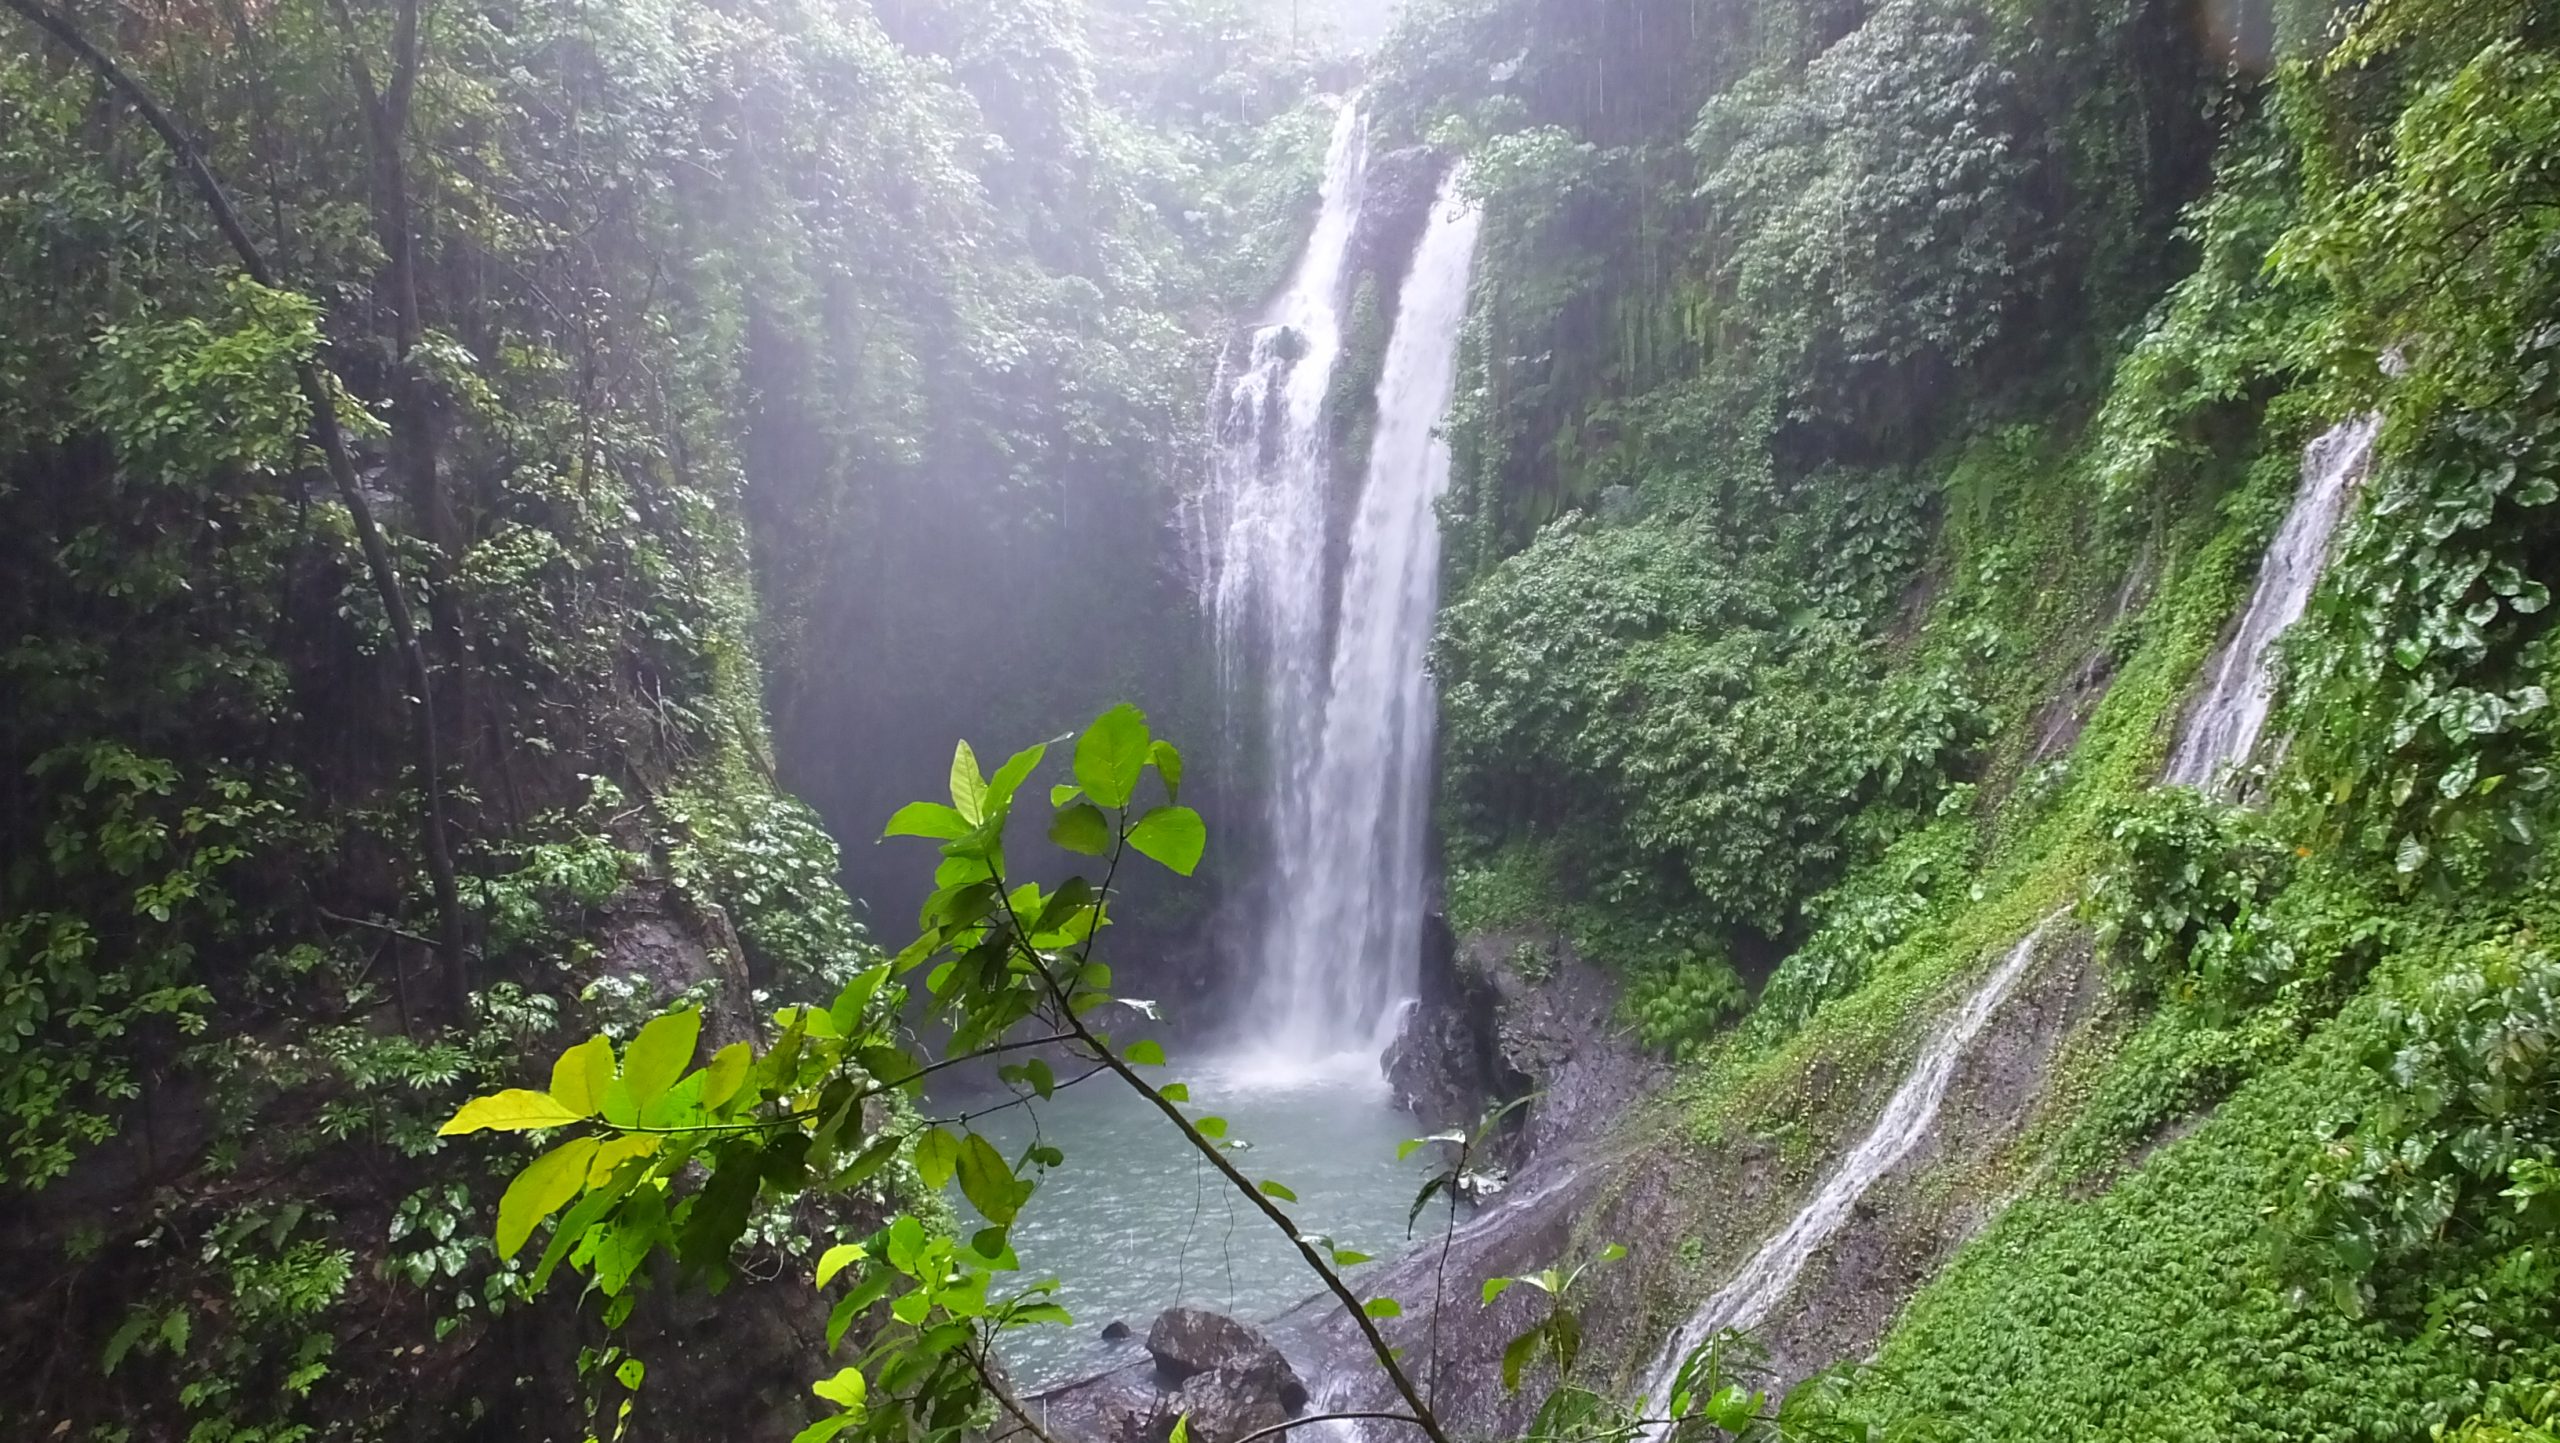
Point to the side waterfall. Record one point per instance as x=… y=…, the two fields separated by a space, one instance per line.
x=2221 y=734
x=2224 y=731
x=1764 y=1281
x=1338 y=943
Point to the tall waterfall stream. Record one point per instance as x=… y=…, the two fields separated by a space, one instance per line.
x=1323 y=623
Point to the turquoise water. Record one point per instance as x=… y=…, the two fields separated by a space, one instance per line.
x=1136 y=1220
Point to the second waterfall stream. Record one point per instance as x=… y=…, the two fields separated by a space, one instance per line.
x=1324 y=606
x=2220 y=734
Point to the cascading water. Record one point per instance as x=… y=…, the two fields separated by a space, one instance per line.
x=1335 y=651
x=2221 y=734
x=2224 y=729
x=1764 y=1281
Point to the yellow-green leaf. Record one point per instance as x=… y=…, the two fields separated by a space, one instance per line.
x=579 y=1078
x=838 y=1258
x=726 y=1073
x=845 y=1389
x=659 y=1055
x=514 y=1110
x=1147 y=1053
x=614 y=1152
x=541 y=1190
x=968 y=785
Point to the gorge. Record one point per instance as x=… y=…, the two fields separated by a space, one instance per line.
x=1805 y=721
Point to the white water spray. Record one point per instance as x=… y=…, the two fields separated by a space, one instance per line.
x=2223 y=731
x=1337 y=648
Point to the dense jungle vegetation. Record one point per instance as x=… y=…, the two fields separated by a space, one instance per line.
x=492 y=492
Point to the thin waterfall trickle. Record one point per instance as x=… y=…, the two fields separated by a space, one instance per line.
x=1331 y=646
x=1765 y=1280
x=2222 y=733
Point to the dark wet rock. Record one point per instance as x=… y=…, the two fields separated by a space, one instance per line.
x=1189 y=1342
x=1225 y=1404
x=1117 y=1331
x=1395 y=206
x=1508 y=1014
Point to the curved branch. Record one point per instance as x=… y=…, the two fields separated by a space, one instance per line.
x=332 y=443
x=1422 y=1416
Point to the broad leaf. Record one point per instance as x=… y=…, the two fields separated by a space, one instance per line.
x=1010 y=777
x=1279 y=1190
x=1168 y=761
x=579 y=1078
x=1082 y=829
x=514 y=1110
x=660 y=1054
x=836 y=1259
x=987 y=1182
x=1112 y=755
x=1516 y=1357
x=937 y=1157
x=927 y=819
x=1145 y=1053
x=726 y=1073
x=1384 y=1308
x=541 y=1190
x=1174 y=836
x=846 y=1389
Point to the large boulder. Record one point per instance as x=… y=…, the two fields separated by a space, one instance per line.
x=1190 y=1344
x=1225 y=1404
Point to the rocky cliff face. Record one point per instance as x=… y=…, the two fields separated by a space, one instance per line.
x=1518 y=1014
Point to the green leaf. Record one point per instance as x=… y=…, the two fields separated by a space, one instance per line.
x=1211 y=1126
x=1010 y=777
x=660 y=1054
x=1168 y=763
x=937 y=1157
x=631 y=1373
x=579 y=1078
x=1175 y=1092
x=1042 y=1080
x=1174 y=836
x=1384 y=1308
x=987 y=1182
x=891 y=1066
x=1181 y=1430
x=1145 y=1053
x=1422 y=1200
x=825 y=1428
x=541 y=1190
x=1516 y=1357
x=514 y=1110
x=1112 y=755
x=1278 y=1190
x=928 y=819
x=968 y=785
x=838 y=1258
x=1083 y=829
x=1063 y=793
x=726 y=1073
x=846 y=1389
x=1348 y=1257
x=1496 y=1287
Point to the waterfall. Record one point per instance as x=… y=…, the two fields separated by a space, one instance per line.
x=2223 y=731
x=1332 y=645
x=1764 y=1281
x=2219 y=735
